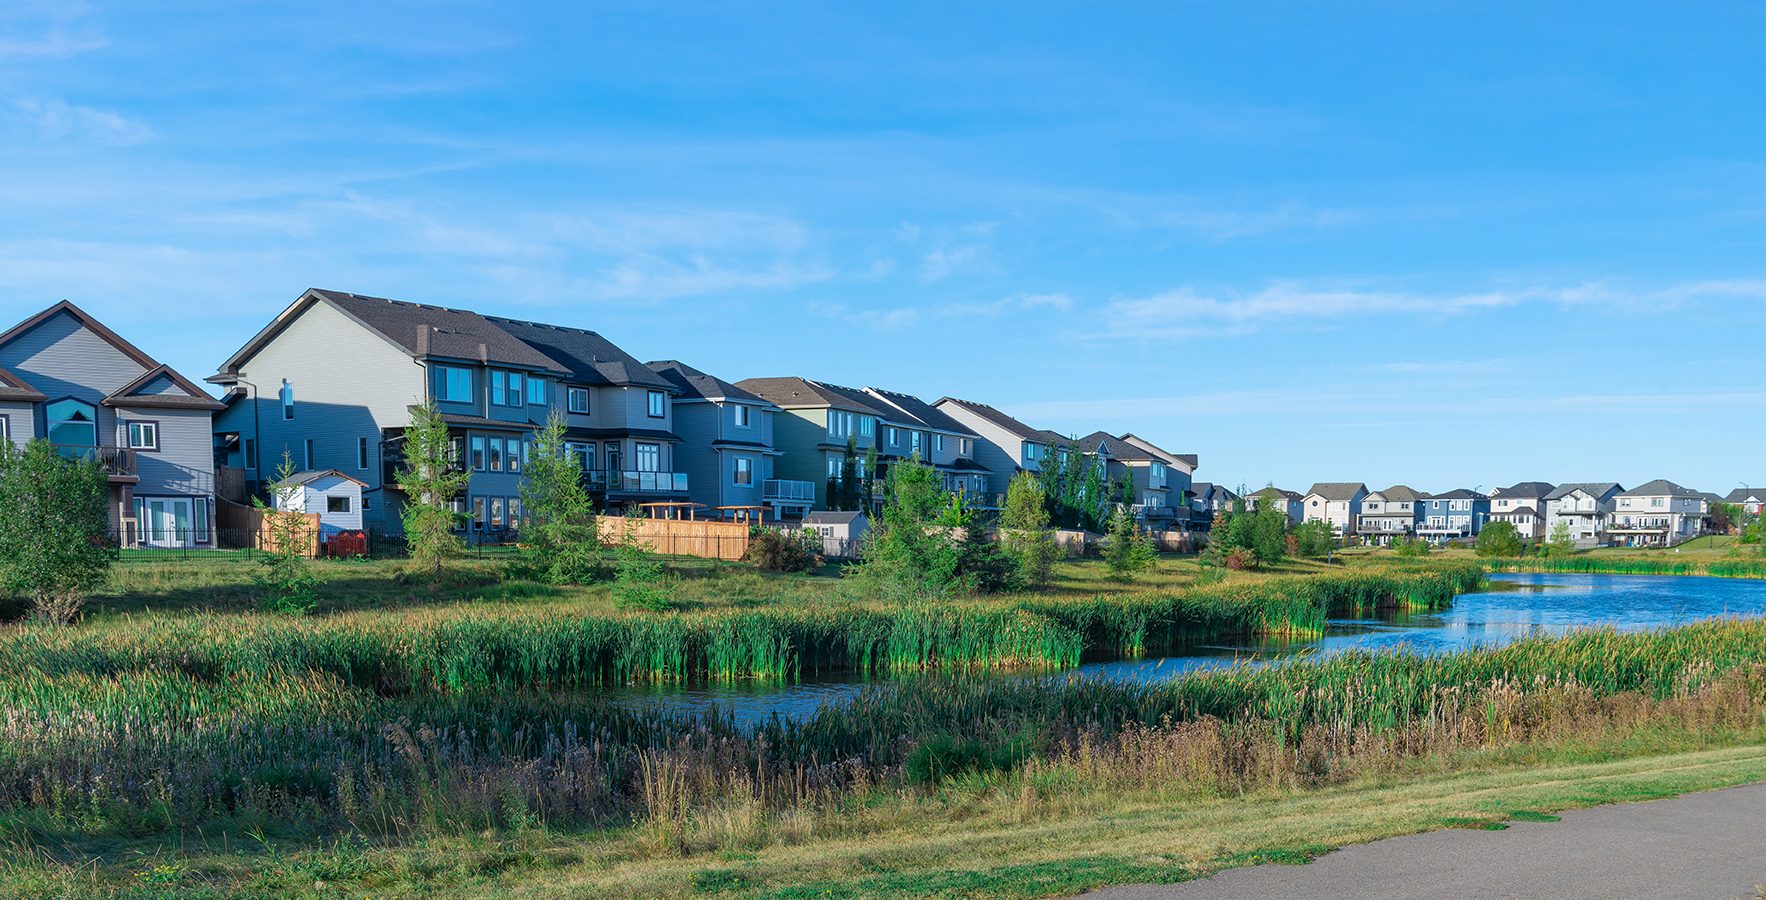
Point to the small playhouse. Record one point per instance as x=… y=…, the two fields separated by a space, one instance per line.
x=336 y=499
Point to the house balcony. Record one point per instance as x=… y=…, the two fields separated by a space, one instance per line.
x=118 y=463
x=609 y=481
x=780 y=490
x=1638 y=527
x=1155 y=511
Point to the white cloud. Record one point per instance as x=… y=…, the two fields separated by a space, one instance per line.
x=56 y=120
x=45 y=31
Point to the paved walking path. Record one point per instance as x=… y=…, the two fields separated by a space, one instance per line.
x=1699 y=845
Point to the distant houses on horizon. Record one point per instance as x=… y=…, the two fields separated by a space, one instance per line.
x=330 y=382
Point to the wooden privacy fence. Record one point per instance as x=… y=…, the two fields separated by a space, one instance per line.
x=676 y=537
x=237 y=521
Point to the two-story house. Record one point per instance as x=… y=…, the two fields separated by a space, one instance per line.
x=68 y=379
x=1208 y=500
x=1336 y=502
x=950 y=445
x=1289 y=502
x=332 y=381
x=1657 y=514
x=1583 y=509
x=1149 y=471
x=1392 y=513
x=1004 y=445
x=1523 y=506
x=1750 y=499
x=815 y=425
x=1456 y=515
x=1180 y=472
x=727 y=448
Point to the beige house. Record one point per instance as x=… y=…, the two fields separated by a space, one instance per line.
x=1388 y=514
x=1657 y=514
x=1336 y=502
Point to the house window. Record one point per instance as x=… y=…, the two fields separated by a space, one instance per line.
x=143 y=435
x=515 y=389
x=536 y=391
x=916 y=437
x=337 y=504
x=5 y=429
x=496 y=512
x=496 y=460
x=478 y=513
x=517 y=454
x=743 y=416
x=308 y=448
x=656 y=400
x=893 y=434
x=73 y=423
x=649 y=457
x=833 y=467
x=867 y=426
x=454 y=384
x=744 y=470
x=577 y=400
x=1655 y=501
x=478 y=457
x=582 y=454
x=499 y=390
x=251 y=453
x=287 y=400
x=514 y=512
x=938 y=443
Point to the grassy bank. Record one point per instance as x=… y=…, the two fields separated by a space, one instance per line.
x=578 y=796
x=1635 y=565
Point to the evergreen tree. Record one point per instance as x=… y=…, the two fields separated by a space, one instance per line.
x=850 y=496
x=1024 y=529
x=430 y=478
x=907 y=554
x=289 y=584
x=559 y=539
x=1128 y=551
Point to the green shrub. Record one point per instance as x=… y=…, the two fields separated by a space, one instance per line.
x=778 y=550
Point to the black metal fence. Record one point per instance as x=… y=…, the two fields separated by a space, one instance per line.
x=159 y=545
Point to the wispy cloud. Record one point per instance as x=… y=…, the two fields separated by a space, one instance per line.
x=57 y=120
x=898 y=318
x=1193 y=312
x=46 y=31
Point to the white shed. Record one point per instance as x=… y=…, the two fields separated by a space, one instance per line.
x=336 y=497
x=841 y=532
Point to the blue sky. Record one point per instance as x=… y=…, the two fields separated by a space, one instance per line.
x=1461 y=246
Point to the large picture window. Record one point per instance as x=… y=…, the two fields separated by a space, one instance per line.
x=454 y=384
x=73 y=423
x=648 y=457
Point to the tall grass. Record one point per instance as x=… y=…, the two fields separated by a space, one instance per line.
x=148 y=749
x=1632 y=565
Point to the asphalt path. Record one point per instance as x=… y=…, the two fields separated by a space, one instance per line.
x=1710 y=844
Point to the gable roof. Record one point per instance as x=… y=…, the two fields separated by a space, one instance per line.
x=1661 y=487
x=1012 y=426
x=1337 y=491
x=1457 y=494
x=13 y=387
x=1177 y=459
x=833 y=517
x=694 y=383
x=1115 y=447
x=1273 y=491
x=311 y=475
x=84 y=318
x=1591 y=488
x=922 y=412
x=587 y=357
x=1526 y=490
x=1399 y=493
x=419 y=330
x=792 y=392
x=193 y=397
x=1743 y=495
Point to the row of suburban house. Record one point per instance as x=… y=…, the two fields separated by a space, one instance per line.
x=1655 y=514
x=331 y=382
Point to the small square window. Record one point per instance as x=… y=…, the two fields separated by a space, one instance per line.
x=143 y=435
x=578 y=400
x=536 y=391
x=337 y=504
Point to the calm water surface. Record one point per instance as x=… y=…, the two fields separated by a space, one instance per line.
x=1516 y=607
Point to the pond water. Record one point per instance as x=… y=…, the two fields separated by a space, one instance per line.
x=1516 y=606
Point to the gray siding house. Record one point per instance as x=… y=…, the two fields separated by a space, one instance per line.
x=1523 y=506
x=949 y=445
x=1392 y=513
x=727 y=448
x=1583 y=509
x=1157 y=485
x=815 y=424
x=1290 y=502
x=1659 y=513
x=1004 y=446
x=332 y=380
x=67 y=378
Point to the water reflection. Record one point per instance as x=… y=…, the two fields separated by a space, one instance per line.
x=1518 y=606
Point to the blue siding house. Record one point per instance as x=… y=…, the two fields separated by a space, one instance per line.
x=66 y=378
x=1456 y=515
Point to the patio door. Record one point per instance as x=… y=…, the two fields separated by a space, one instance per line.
x=166 y=521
